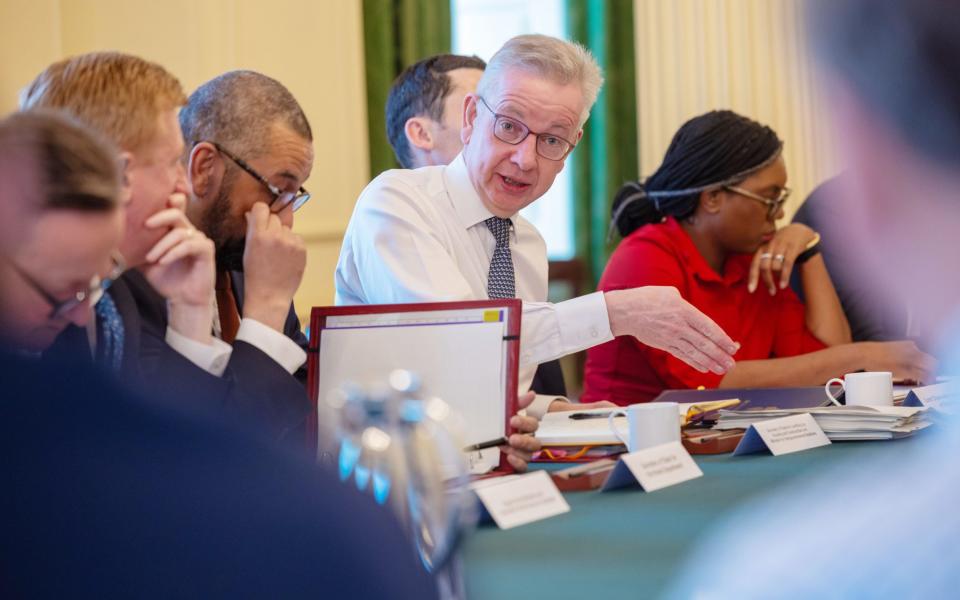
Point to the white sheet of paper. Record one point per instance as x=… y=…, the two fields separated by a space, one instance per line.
x=785 y=435
x=522 y=499
x=461 y=363
x=661 y=466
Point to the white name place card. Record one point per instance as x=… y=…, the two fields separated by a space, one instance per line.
x=521 y=499
x=942 y=396
x=653 y=468
x=782 y=436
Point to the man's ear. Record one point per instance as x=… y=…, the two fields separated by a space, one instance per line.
x=469 y=117
x=125 y=160
x=204 y=170
x=418 y=132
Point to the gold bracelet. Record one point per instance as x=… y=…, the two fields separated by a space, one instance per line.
x=813 y=242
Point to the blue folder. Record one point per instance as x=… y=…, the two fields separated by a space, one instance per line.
x=751 y=398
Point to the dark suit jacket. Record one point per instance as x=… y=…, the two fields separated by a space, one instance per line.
x=291 y=328
x=871 y=316
x=254 y=389
x=107 y=493
x=548 y=379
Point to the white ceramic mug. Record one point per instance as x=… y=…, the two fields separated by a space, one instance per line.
x=871 y=388
x=649 y=424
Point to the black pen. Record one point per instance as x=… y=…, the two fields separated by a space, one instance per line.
x=500 y=441
x=582 y=415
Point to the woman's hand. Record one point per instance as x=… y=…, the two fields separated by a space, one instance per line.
x=774 y=260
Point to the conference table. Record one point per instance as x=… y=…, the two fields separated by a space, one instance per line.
x=631 y=544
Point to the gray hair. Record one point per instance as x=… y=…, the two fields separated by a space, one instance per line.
x=554 y=59
x=237 y=109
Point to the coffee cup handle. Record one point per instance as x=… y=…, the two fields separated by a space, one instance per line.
x=613 y=428
x=830 y=395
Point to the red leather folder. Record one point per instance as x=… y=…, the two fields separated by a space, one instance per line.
x=510 y=313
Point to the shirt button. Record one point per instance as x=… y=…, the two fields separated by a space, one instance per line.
x=594 y=332
x=218 y=364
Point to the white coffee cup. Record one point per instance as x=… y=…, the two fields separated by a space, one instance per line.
x=649 y=424
x=871 y=388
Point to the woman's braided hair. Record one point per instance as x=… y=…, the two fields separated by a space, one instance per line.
x=708 y=152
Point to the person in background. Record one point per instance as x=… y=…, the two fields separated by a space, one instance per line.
x=705 y=223
x=425 y=107
x=155 y=326
x=424 y=111
x=134 y=104
x=870 y=528
x=871 y=319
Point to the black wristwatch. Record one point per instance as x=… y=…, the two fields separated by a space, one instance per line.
x=813 y=249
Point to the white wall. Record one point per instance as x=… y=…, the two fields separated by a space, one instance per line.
x=314 y=47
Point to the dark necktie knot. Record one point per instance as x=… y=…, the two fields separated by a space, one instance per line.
x=500 y=228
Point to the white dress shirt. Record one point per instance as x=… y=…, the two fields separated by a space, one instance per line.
x=420 y=236
x=213 y=358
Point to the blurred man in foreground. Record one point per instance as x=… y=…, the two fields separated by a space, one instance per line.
x=869 y=528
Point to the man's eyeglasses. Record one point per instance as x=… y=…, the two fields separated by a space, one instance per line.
x=509 y=130
x=93 y=293
x=773 y=204
x=281 y=199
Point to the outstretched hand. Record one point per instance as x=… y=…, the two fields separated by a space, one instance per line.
x=660 y=318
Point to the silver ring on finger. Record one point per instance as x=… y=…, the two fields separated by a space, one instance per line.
x=765 y=256
x=779 y=257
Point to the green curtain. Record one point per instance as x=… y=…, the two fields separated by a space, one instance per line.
x=396 y=34
x=607 y=155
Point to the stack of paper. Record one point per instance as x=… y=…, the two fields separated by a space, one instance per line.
x=841 y=422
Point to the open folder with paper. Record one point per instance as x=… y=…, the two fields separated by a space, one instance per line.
x=465 y=353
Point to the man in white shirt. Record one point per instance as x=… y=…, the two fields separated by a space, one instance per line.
x=424 y=115
x=454 y=233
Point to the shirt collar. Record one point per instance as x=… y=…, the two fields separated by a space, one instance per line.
x=465 y=199
x=734 y=270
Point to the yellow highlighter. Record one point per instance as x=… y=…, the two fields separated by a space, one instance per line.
x=705 y=407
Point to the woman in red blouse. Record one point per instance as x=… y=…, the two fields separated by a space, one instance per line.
x=705 y=223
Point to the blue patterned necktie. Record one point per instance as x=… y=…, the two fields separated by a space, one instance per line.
x=110 y=339
x=500 y=279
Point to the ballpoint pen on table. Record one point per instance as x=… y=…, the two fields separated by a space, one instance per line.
x=500 y=441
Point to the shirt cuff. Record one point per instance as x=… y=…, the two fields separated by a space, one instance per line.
x=212 y=358
x=271 y=342
x=541 y=404
x=584 y=322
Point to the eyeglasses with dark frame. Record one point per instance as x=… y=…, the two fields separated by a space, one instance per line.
x=773 y=204
x=510 y=130
x=281 y=199
x=97 y=287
